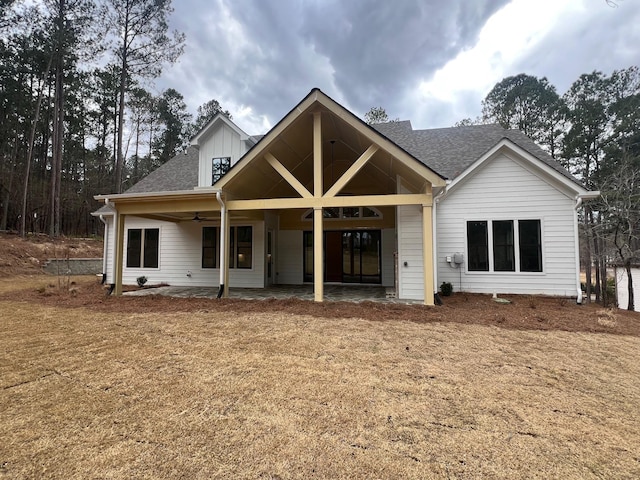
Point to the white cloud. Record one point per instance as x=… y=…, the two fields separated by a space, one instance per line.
x=510 y=34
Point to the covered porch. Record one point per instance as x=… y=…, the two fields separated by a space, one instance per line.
x=316 y=178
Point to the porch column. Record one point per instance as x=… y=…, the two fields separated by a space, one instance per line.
x=318 y=270
x=119 y=253
x=427 y=253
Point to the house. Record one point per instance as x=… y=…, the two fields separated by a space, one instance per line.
x=480 y=207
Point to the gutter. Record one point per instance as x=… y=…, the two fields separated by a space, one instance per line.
x=223 y=237
x=577 y=248
x=434 y=220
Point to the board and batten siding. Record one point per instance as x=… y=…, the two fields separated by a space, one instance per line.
x=503 y=189
x=222 y=142
x=180 y=256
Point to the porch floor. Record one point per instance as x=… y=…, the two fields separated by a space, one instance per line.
x=332 y=293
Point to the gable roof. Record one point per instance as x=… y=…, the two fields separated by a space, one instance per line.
x=450 y=151
x=219 y=118
x=316 y=102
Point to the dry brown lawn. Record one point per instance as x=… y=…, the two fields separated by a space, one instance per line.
x=161 y=388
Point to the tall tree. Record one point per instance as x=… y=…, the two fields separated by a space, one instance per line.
x=205 y=114
x=529 y=104
x=174 y=118
x=377 y=115
x=143 y=45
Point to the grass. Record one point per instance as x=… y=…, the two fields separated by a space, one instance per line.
x=214 y=394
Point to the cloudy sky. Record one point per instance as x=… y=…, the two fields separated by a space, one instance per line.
x=429 y=61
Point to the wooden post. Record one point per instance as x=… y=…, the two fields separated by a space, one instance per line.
x=318 y=227
x=427 y=254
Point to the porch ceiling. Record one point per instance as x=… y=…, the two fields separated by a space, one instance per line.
x=342 y=145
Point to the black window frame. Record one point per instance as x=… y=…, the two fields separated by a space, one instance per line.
x=209 y=247
x=530 y=251
x=143 y=248
x=219 y=167
x=519 y=239
x=478 y=252
x=503 y=238
x=241 y=249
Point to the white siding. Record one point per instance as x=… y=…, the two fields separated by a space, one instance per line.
x=180 y=253
x=110 y=242
x=222 y=142
x=622 y=289
x=505 y=190
x=289 y=257
x=411 y=275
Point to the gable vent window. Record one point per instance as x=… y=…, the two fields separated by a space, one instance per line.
x=219 y=166
x=142 y=247
x=341 y=213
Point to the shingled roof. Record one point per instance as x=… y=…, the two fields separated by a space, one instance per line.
x=450 y=151
x=179 y=173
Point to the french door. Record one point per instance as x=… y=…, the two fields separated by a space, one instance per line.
x=350 y=256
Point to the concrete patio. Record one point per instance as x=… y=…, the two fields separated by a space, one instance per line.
x=332 y=293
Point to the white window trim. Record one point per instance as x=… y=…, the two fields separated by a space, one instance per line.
x=142 y=246
x=516 y=241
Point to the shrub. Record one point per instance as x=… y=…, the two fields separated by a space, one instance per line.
x=141 y=281
x=446 y=289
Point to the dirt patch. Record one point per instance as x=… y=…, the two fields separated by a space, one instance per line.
x=25 y=256
x=174 y=388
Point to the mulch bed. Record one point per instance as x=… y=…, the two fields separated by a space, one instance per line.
x=522 y=313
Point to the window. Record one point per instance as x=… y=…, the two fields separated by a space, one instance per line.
x=503 y=249
x=142 y=247
x=241 y=247
x=219 y=166
x=478 y=246
x=530 y=245
x=341 y=213
x=209 y=250
x=496 y=245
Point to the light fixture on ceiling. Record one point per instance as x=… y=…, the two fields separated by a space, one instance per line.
x=196 y=218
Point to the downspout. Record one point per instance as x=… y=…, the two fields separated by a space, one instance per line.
x=223 y=236
x=577 y=248
x=104 y=249
x=436 y=199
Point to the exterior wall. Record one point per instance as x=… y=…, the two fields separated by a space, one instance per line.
x=222 y=142
x=622 y=290
x=289 y=257
x=110 y=238
x=180 y=253
x=504 y=190
x=411 y=275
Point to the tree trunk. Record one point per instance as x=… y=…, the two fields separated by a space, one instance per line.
x=587 y=244
x=631 y=305
x=32 y=137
